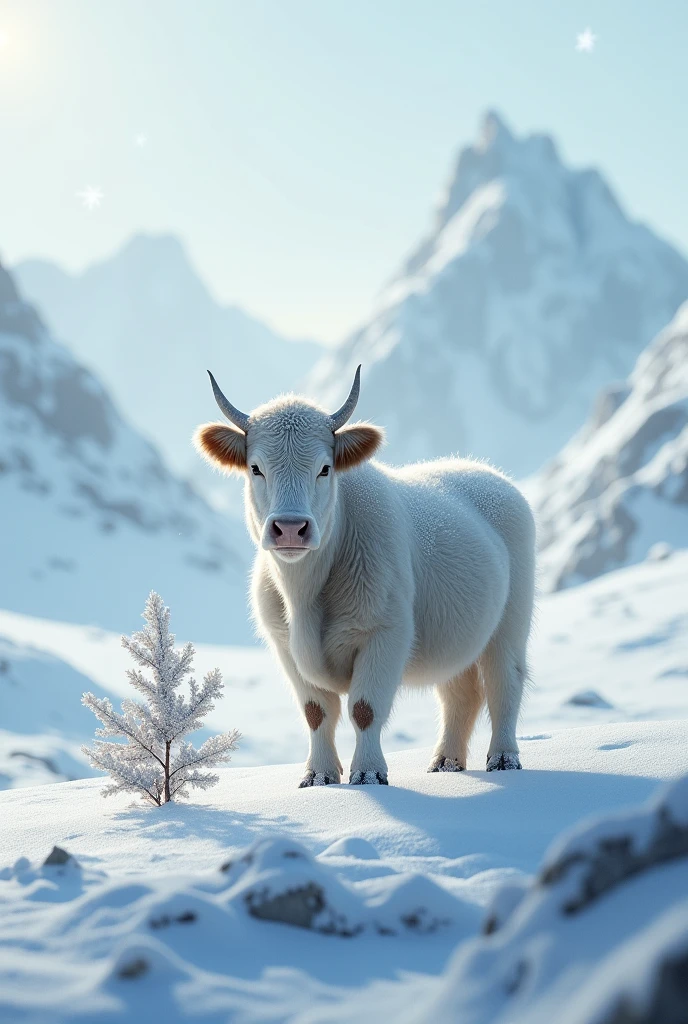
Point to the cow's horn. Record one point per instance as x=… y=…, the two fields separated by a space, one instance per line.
x=339 y=418
x=239 y=419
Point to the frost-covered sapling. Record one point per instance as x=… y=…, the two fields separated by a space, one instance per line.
x=156 y=761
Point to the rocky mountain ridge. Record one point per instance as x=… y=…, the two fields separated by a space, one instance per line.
x=619 y=488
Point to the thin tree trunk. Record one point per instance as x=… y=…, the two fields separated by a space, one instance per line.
x=168 y=744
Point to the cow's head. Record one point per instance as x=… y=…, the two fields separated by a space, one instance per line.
x=290 y=452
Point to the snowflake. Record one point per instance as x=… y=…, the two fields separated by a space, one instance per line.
x=585 y=41
x=141 y=140
x=90 y=197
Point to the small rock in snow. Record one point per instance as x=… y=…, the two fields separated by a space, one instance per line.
x=57 y=856
x=298 y=907
x=589 y=699
x=659 y=552
x=132 y=969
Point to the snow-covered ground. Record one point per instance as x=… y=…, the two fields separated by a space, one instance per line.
x=358 y=904
x=617 y=645
x=163 y=915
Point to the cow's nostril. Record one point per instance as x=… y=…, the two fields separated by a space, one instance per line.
x=290 y=533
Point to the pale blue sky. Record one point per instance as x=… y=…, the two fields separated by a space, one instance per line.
x=298 y=146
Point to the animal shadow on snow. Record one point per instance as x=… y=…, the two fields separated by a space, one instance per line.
x=515 y=819
x=179 y=821
x=512 y=822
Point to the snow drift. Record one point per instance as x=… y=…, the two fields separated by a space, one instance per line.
x=597 y=935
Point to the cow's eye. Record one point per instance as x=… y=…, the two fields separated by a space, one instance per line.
x=325 y=471
x=256 y=471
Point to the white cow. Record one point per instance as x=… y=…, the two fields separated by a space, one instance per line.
x=367 y=576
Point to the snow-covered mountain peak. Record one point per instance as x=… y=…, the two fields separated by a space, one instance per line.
x=559 y=205
x=17 y=316
x=620 y=486
x=92 y=519
x=153 y=266
x=662 y=369
x=530 y=293
x=147 y=307
x=493 y=155
x=493 y=131
x=165 y=245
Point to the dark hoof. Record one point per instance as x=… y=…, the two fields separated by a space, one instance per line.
x=368 y=779
x=317 y=779
x=503 y=762
x=446 y=764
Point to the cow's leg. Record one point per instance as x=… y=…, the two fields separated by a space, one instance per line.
x=504 y=675
x=460 y=701
x=376 y=678
x=321 y=709
x=504 y=660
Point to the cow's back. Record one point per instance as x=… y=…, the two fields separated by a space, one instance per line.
x=469 y=530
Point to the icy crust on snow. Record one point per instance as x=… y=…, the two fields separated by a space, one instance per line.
x=620 y=486
x=92 y=517
x=532 y=291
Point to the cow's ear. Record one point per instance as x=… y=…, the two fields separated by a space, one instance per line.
x=222 y=446
x=355 y=444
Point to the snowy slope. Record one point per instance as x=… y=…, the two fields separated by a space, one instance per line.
x=160 y=914
x=145 y=323
x=42 y=721
x=91 y=517
x=623 y=638
x=620 y=485
x=532 y=291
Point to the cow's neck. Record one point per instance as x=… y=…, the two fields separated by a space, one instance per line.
x=301 y=585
